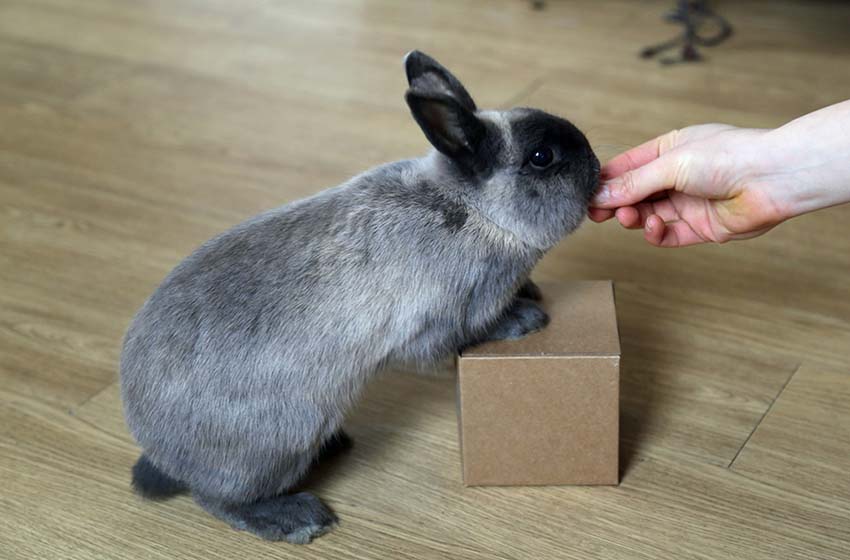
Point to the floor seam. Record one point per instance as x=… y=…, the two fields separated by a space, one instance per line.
x=764 y=415
x=72 y=410
x=527 y=91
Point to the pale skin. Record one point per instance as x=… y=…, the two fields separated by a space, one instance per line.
x=717 y=183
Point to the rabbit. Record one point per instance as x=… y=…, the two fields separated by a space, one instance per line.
x=237 y=373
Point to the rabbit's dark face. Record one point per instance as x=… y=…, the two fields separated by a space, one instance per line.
x=526 y=171
x=537 y=174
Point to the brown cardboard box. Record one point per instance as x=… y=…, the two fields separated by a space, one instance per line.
x=545 y=409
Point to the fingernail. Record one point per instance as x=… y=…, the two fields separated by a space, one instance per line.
x=648 y=225
x=603 y=194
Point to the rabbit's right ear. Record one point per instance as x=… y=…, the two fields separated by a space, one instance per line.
x=427 y=75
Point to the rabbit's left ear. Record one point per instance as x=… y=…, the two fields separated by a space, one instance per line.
x=450 y=127
x=427 y=76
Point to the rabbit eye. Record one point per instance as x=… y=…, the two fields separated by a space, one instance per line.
x=541 y=157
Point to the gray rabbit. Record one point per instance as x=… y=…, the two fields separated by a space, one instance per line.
x=238 y=371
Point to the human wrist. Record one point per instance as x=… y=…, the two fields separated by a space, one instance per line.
x=805 y=185
x=805 y=161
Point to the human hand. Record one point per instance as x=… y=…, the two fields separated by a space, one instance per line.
x=689 y=186
x=715 y=183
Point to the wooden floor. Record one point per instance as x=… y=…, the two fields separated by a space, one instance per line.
x=131 y=131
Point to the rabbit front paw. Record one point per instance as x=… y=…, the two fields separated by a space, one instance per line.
x=523 y=317
x=530 y=290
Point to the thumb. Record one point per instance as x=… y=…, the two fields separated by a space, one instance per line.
x=666 y=172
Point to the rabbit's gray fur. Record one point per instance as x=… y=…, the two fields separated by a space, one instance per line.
x=245 y=360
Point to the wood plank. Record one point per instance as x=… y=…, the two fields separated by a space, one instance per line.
x=405 y=442
x=803 y=441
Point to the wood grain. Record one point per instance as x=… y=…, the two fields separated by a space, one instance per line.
x=131 y=132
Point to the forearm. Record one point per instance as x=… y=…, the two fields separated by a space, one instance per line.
x=807 y=161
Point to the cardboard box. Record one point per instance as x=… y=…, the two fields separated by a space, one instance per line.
x=544 y=410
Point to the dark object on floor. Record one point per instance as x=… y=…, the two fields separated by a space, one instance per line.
x=703 y=28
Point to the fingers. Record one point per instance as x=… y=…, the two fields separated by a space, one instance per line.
x=638 y=156
x=599 y=214
x=629 y=217
x=640 y=172
x=638 y=184
x=663 y=208
x=653 y=231
x=634 y=217
x=659 y=220
x=670 y=234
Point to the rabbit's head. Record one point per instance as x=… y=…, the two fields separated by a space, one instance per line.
x=527 y=171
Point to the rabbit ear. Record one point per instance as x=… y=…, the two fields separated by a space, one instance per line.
x=452 y=128
x=429 y=76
